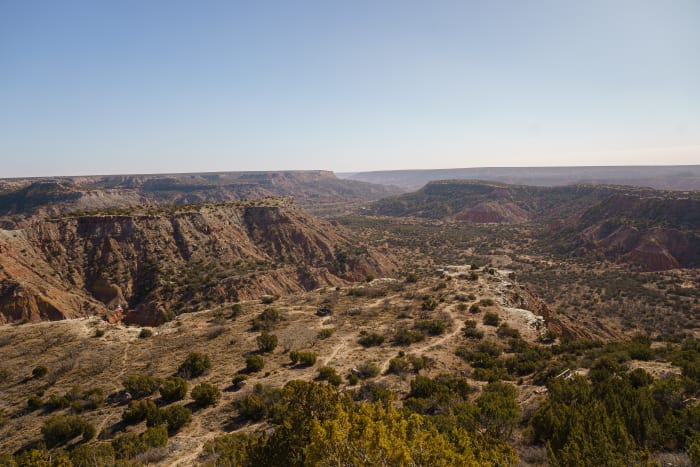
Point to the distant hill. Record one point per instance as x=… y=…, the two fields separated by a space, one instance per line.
x=318 y=191
x=652 y=229
x=681 y=177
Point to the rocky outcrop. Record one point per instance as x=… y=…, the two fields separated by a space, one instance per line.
x=559 y=324
x=159 y=261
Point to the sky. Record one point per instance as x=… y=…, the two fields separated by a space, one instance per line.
x=134 y=86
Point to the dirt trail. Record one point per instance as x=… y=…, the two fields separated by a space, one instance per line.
x=118 y=377
x=335 y=351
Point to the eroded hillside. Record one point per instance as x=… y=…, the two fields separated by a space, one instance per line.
x=149 y=264
x=653 y=230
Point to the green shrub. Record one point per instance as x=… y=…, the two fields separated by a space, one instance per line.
x=325 y=333
x=327 y=373
x=433 y=327
x=418 y=363
x=505 y=331
x=491 y=319
x=370 y=339
x=486 y=302
x=428 y=304
x=367 y=370
x=472 y=333
x=138 y=411
x=155 y=437
x=81 y=400
x=475 y=308
x=173 y=389
x=254 y=363
x=238 y=380
x=39 y=371
x=267 y=319
x=499 y=412
x=130 y=445
x=34 y=402
x=56 y=402
x=266 y=342
x=405 y=336
x=411 y=278
x=303 y=358
x=399 y=366
x=175 y=417
x=145 y=333
x=59 y=429
x=205 y=395
x=140 y=386
x=252 y=407
x=90 y=455
x=195 y=364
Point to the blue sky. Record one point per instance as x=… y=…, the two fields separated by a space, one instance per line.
x=133 y=86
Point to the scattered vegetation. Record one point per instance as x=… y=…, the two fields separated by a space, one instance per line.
x=173 y=389
x=195 y=364
x=205 y=395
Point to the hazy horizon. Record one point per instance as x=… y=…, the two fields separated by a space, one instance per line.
x=174 y=87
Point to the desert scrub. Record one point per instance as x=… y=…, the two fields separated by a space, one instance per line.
x=303 y=358
x=173 y=389
x=205 y=395
x=433 y=327
x=254 y=363
x=327 y=373
x=195 y=364
x=405 y=336
x=174 y=417
x=267 y=319
x=138 y=411
x=266 y=342
x=367 y=370
x=145 y=333
x=325 y=333
x=140 y=386
x=39 y=371
x=60 y=429
x=370 y=339
x=491 y=319
x=238 y=381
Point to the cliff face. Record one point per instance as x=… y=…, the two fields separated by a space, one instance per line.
x=649 y=230
x=157 y=262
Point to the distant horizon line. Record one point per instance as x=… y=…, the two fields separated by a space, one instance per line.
x=352 y=172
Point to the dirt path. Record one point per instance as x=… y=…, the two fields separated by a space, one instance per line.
x=335 y=351
x=118 y=377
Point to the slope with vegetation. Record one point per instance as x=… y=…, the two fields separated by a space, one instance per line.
x=463 y=376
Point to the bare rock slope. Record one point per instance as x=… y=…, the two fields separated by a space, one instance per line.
x=155 y=262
